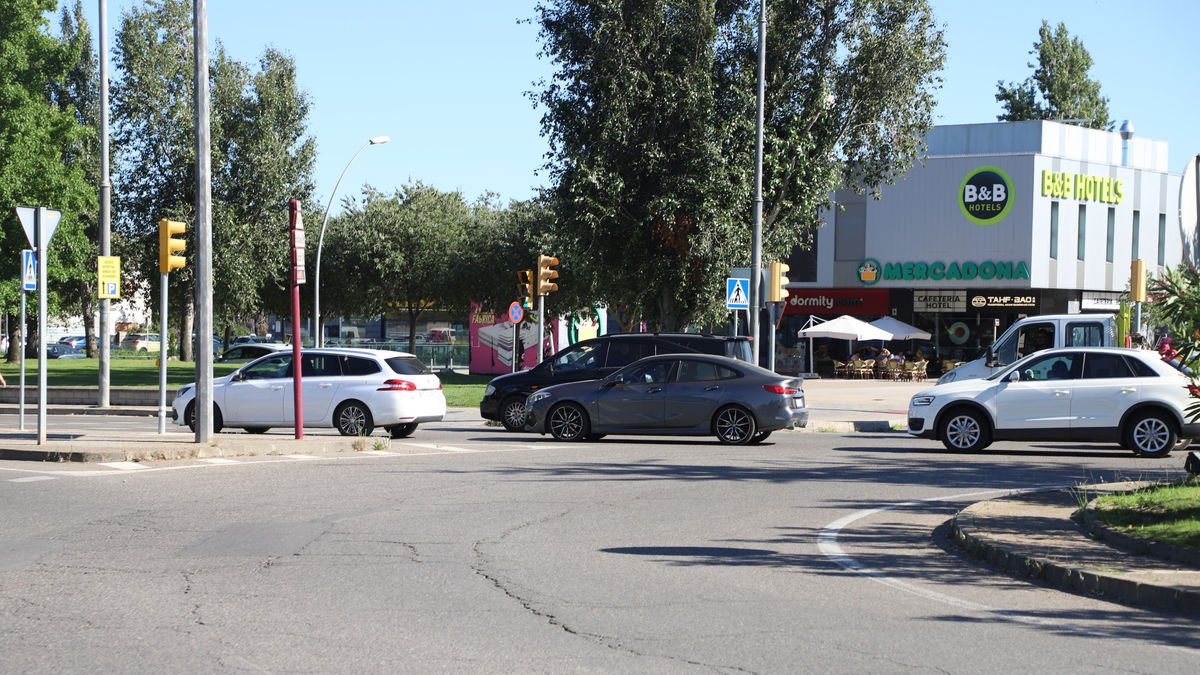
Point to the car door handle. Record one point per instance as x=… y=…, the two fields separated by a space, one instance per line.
x=276 y=387
x=1062 y=392
x=1128 y=390
x=713 y=387
x=326 y=385
x=654 y=390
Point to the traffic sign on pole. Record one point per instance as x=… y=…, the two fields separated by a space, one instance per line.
x=516 y=312
x=28 y=271
x=737 y=294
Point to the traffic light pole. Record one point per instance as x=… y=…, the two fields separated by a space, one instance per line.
x=162 y=356
x=541 y=326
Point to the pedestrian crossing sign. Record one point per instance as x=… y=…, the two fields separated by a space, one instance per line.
x=28 y=271
x=737 y=294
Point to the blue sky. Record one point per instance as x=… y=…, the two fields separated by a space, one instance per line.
x=447 y=80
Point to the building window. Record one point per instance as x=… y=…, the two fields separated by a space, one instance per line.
x=1137 y=232
x=1054 y=230
x=1112 y=231
x=1162 y=239
x=1081 y=243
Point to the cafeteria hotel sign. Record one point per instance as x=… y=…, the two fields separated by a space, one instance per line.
x=939 y=301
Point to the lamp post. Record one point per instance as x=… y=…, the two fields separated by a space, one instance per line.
x=319 y=337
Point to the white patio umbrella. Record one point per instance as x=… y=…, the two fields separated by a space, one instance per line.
x=899 y=329
x=845 y=327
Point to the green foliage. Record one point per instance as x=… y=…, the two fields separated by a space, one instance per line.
x=41 y=141
x=1169 y=514
x=1059 y=88
x=399 y=252
x=651 y=123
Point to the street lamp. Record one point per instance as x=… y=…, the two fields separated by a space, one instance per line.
x=319 y=337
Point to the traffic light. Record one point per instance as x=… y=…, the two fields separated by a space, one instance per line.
x=777 y=282
x=547 y=274
x=168 y=245
x=1137 y=281
x=525 y=288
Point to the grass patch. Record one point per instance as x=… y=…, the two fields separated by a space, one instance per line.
x=122 y=372
x=462 y=391
x=1170 y=514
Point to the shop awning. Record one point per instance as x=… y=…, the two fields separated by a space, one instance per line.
x=845 y=327
x=899 y=329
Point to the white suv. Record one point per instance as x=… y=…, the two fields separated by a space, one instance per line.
x=1126 y=396
x=352 y=390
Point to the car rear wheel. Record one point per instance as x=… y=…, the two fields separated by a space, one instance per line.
x=218 y=421
x=595 y=437
x=512 y=413
x=567 y=422
x=402 y=430
x=965 y=430
x=353 y=419
x=1150 y=435
x=759 y=437
x=734 y=425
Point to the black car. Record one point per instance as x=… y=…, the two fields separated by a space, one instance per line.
x=504 y=398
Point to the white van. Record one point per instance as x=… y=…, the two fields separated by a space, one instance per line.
x=1035 y=333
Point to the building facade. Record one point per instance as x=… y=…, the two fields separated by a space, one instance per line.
x=1000 y=221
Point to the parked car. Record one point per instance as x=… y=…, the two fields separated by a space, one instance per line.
x=248 y=352
x=676 y=395
x=1125 y=396
x=351 y=390
x=504 y=397
x=142 y=342
x=62 y=350
x=76 y=341
x=253 y=339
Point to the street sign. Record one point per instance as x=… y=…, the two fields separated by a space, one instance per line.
x=737 y=294
x=516 y=312
x=108 y=276
x=49 y=223
x=28 y=271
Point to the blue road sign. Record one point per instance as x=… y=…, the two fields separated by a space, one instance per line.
x=737 y=294
x=516 y=312
x=28 y=271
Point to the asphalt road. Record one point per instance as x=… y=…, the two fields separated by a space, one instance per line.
x=465 y=549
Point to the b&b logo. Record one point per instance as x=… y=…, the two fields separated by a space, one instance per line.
x=985 y=195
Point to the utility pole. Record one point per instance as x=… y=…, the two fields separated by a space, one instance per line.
x=756 y=243
x=204 y=285
x=104 y=342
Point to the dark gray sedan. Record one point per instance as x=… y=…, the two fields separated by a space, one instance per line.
x=676 y=395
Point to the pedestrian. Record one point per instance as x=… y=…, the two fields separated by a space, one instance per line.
x=3 y=382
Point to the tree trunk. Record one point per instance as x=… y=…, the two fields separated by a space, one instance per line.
x=90 y=344
x=14 y=338
x=185 y=331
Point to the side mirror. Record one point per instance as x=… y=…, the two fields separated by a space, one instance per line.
x=1014 y=376
x=990 y=358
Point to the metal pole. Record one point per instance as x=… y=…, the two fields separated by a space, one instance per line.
x=21 y=346
x=40 y=236
x=541 y=325
x=756 y=243
x=772 y=308
x=104 y=344
x=162 y=355
x=204 y=281
x=516 y=339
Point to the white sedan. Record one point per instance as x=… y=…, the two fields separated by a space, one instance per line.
x=351 y=390
x=1125 y=396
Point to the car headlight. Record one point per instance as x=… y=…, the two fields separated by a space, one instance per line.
x=947 y=378
x=923 y=400
x=537 y=396
x=489 y=390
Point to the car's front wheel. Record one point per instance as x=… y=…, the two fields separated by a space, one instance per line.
x=512 y=413
x=1150 y=435
x=218 y=421
x=965 y=430
x=567 y=422
x=352 y=418
x=734 y=425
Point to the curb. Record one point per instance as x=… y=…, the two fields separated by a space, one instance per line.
x=1134 y=544
x=1067 y=577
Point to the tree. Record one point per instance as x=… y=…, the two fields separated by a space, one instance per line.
x=1059 y=88
x=38 y=140
x=651 y=123
x=261 y=157
x=400 y=252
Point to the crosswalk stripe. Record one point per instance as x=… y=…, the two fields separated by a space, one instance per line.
x=124 y=466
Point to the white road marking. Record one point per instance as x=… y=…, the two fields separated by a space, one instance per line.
x=219 y=460
x=443 y=448
x=125 y=466
x=380 y=453
x=302 y=457
x=31 y=479
x=827 y=543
